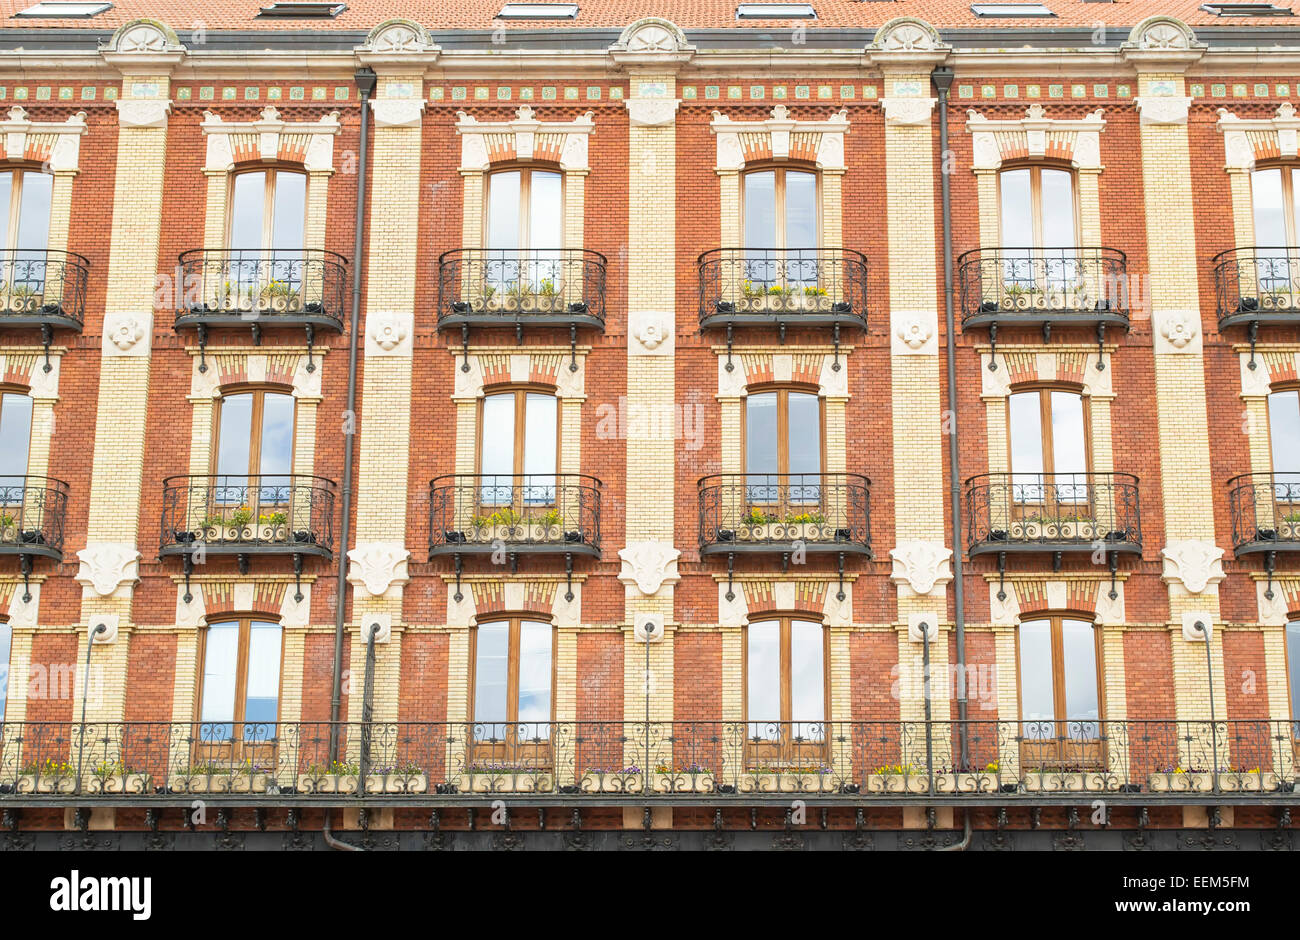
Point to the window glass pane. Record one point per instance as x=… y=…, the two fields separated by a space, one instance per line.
x=1037 y=702
x=235 y=435
x=262 y=699
x=1069 y=454
x=760 y=210
x=491 y=666
x=534 y=678
x=1293 y=672
x=497 y=447
x=800 y=217
x=6 y=200
x=289 y=214
x=805 y=443
x=761 y=448
x=503 y=211
x=763 y=679
x=1058 y=208
x=6 y=637
x=1079 y=645
x=1026 y=430
x=34 y=213
x=540 y=430
x=15 y=440
x=1017 y=209
x=220 y=658
x=546 y=211
x=247 y=208
x=1266 y=199
x=277 y=434
x=807 y=681
x=1284 y=435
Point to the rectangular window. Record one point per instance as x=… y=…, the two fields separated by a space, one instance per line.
x=1059 y=694
x=1010 y=10
x=538 y=11
x=775 y=11
x=513 y=683
x=6 y=643
x=15 y=439
x=785 y=690
x=292 y=9
x=64 y=9
x=1293 y=673
x=241 y=682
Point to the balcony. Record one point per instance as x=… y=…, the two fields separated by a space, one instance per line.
x=1052 y=512
x=780 y=512
x=286 y=514
x=306 y=289
x=33 y=511
x=45 y=289
x=477 y=514
x=851 y=763
x=517 y=287
x=1265 y=512
x=1044 y=287
x=1257 y=285
x=782 y=287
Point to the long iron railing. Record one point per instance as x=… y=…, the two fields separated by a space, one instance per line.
x=724 y=759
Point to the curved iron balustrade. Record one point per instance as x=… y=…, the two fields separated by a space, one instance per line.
x=770 y=512
x=1265 y=511
x=476 y=513
x=262 y=288
x=1257 y=285
x=1008 y=512
x=43 y=288
x=853 y=762
x=509 y=287
x=791 y=286
x=248 y=514
x=1007 y=286
x=33 y=512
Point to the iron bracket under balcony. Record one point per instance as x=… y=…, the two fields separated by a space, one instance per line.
x=1044 y=287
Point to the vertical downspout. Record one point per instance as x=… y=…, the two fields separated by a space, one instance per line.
x=942 y=78
x=365 y=78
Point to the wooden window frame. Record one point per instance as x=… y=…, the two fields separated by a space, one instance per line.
x=782 y=391
x=6 y=626
x=778 y=196
x=19 y=175
x=1061 y=751
x=236 y=749
x=539 y=755
x=1290 y=679
x=1045 y=392
x=253 y=494
x=1036 y=169
x=785 y=751
x=521 y=393
x=9 y=389
x=525 y=171
x=1290 y=223
x=271 y=177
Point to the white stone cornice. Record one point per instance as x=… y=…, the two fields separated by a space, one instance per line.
x=481 y=141
x=269 y=138
x=1238 y=147
x=991 y=139
x=773 y=135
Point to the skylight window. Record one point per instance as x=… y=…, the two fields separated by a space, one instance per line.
x=302 y=8
x=1246 y=9
x=64 y=9
x=776 y=11
x=538 y=11
x=1010 y=10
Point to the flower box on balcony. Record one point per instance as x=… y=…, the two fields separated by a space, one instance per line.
x=1181 y=781
x=898 y=783
x=397 y=783
x=788 y=300
x=1252 y=781
x=788 y=532
x=984 y=782
x=612 y=781
x=217 y=782
x=535 y=532
x=127 y=783
x=40 y=783
x=1079 y=529
x=683 y=781
x=794 y=782
x=227 y=533
x=522 y=781
x=1054 y=781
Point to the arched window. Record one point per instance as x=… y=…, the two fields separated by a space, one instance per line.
x=240 y=695
x=785 y=687
x=6 y=645
x=1039 y=228
x=783 y=448
x=514 y=679
x=525 y=226
x=253 y=456
x=1060 y=690
x=519 y=447
x=1049 y=452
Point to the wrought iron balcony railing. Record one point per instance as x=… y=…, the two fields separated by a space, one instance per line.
x=248 y=514
x=1265 y=511
x=1043 y=287
x=478 y=513
x=1257 y=285
x=1058 y=512
x=33 y=512
x=858 y=762
x=771 y=512
x=782 y=287
x=43 y=288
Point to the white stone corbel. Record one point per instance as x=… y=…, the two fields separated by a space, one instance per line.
x=379 y=568
x=1195 y=565
x=648 y=566
x=920 y=565
x=108 y=569
x=397 y=112
x=143 y=112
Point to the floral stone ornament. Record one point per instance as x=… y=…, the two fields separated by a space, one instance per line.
x=123 y=333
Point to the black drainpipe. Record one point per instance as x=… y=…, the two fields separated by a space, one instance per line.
x=942 y=78
x=365 y=78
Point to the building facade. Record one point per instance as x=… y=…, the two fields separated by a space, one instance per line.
x=539 y=425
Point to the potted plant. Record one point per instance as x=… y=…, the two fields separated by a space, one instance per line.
x=117 y=777
x=505 y=524
x=489 y=777
x=8 y=532
x=809 y=526
x=1078 y=526
x=47 y=776
x=336 y=777
x=219 y=778
x=611 y=780
x=279 y=296
x=230 y=527
x=1034 y=527
x=816 y=298
x=791 y=778
x=404 y=777
x=987 y=780
x=1048 y=779
x=1015 y=295
x=23 y=298
x=688 y=777
x=1178 y=779
x=271 y=526
x=545 y=527
x=548 y=296
x=898 y=778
